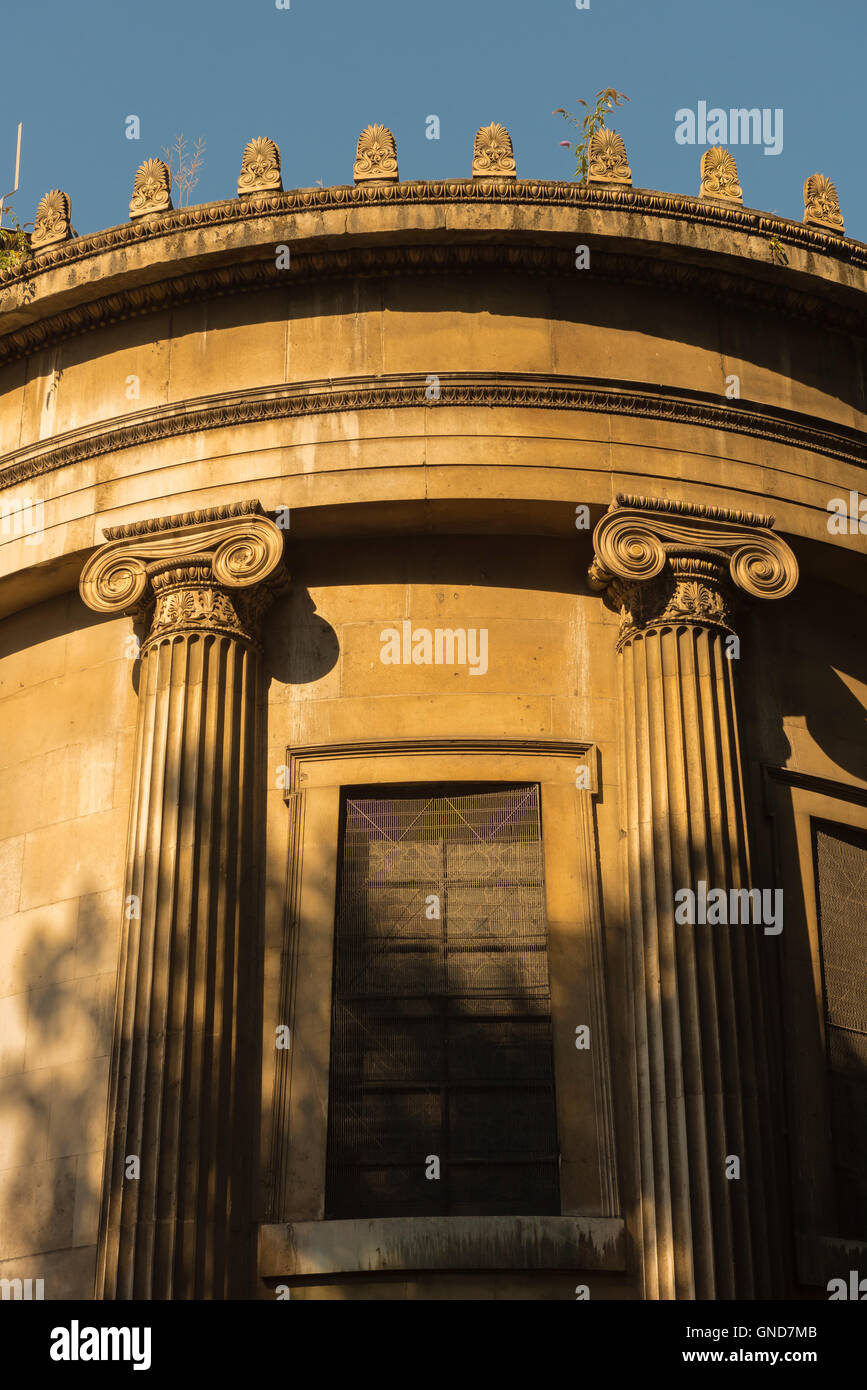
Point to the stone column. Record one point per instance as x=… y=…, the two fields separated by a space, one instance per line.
x=674 y=572
x=183 y=1097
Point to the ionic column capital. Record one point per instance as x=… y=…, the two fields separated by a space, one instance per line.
x=673 y=563
x=206 y=571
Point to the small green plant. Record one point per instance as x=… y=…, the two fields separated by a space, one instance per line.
x=778 y=251
x=14 y=244
x=606 y=101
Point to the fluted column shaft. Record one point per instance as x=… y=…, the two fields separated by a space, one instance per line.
x=178 y=1191
x=702 y=1070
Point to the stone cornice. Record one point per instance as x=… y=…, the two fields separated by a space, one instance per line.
x=516 y=191
x=632 y=267
x=59 y=293
x=680 y=407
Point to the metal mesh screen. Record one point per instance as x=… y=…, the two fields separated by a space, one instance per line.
x=441 y=1027
x=841 y=871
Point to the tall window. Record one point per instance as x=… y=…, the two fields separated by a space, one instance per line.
x=441 y=1092
x=841 y=874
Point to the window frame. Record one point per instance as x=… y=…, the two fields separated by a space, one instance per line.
x=316 y=778
x=795 y=802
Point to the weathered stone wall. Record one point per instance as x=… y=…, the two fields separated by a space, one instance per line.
x=67 y=712
x=171 y=366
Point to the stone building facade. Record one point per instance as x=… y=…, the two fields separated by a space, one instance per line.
x=433 y=790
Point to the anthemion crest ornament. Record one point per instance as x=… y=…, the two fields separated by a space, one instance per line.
x=152 y=189
x=719 y=176
x=821 y=204
x=493 y=156
x=607 y=159
x=376 y=156
x=260 y=168
x=52 y=220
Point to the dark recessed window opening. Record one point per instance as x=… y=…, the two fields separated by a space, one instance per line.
x=441 y=1010
x=841 y=876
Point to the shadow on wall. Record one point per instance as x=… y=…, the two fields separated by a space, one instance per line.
x=637 y=312
x=819 y=665
x=301 y=647
x=57 y=1030
x=298 y=1097
x=313 y=649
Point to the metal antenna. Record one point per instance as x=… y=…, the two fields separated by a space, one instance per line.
x=17 y=167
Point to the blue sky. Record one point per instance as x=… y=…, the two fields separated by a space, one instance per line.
x=311 y=77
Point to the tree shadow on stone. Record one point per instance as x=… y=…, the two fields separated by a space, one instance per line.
x=52 y=1098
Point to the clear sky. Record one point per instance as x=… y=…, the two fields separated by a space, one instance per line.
x=313 y=75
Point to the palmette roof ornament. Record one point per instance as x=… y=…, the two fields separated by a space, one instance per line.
x=260 y=168
x=719 y=176
x=52 y=220
x=376 y=156
x=821 y=204
x=152 y=189
x=607 y=159
x=493 y=156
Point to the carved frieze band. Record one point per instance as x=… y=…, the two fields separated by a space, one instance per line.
x=210 y=571
x=456 y=389
x=665 y=564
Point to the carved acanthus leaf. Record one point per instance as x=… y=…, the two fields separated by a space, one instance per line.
x=693 y=590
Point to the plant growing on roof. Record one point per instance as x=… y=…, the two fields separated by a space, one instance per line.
x=184 y=166
x=14 y=245
x=606 y=100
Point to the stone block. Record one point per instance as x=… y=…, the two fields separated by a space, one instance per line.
x=38 y=1202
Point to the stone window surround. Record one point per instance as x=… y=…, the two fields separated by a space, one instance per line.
x=298 y=1240
x=803 y=799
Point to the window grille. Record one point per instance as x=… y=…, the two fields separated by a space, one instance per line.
x=441 y=1010
x=841 y=873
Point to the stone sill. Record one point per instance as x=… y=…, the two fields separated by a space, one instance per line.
x=441 y=1242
